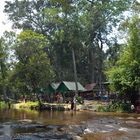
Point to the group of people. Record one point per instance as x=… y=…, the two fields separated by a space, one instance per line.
x=59 y=98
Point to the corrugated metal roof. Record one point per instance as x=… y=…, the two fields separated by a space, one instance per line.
x=90 y=86
x=52 y=87
x=71 y=86
x=55 y=85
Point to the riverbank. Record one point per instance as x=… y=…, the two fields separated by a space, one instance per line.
x=88 y=105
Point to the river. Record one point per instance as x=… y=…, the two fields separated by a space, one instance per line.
x=68 y=125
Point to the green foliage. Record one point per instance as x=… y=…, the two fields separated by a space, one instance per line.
x=115 y=107
x=80 y=99
x=80 y=24
x=27 y=105
x=101 y=109
x=125 y=75
x=112 y=54
x=118 y=107
x=33 y=68
x=6 y=43
x=3 y=58
x=3 y=105
x=51 y=29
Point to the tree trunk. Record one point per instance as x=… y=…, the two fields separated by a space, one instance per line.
x=92 y=65
x=75 y=72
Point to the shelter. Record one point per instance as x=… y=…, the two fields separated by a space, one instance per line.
x=69 y=87
x=90 y=87
x=52 y=88
x=95 y=90
x=96 y=87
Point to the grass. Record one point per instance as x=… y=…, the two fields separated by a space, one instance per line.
x=3 y=105
x=27 y=105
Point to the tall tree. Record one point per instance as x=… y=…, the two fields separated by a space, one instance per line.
x=80 y=24
x=101 y=17
x=125 y=75
x=33 y=68
x=112 y=54
x=3 y=67
x=6 y=42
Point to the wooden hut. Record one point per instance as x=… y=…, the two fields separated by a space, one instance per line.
x=68 y=89
x=51 y=91
x=94 y=90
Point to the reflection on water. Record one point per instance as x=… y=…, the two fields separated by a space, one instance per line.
x=86 y=125
x=46 y=117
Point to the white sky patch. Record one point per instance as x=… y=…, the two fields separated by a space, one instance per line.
x=4 y=23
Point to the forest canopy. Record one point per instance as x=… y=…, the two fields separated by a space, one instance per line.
x=51 y=29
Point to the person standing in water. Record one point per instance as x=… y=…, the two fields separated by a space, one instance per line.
x=73 y=103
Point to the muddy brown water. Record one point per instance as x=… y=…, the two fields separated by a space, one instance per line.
x=69 y=125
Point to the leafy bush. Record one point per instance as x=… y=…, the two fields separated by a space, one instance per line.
x=101 y=109
x=115 y=107
x=80 y=99
x=3 y=105
x=28 y=105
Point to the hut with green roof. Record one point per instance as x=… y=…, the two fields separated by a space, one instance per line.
x=51 y=90
x=68 y=88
